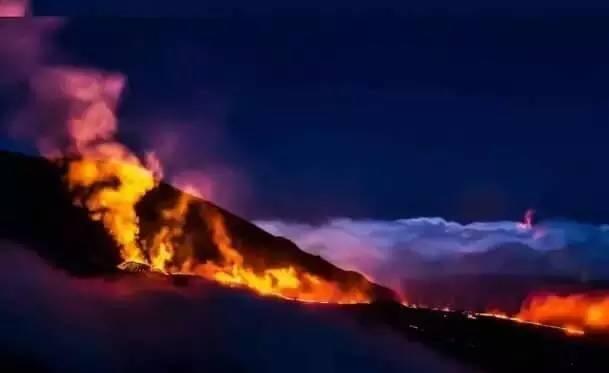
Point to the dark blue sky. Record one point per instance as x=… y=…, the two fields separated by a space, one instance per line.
x=471 y=114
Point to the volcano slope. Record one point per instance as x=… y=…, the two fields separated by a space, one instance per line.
x=39 y=210
x=65 y=306
x=76 y=299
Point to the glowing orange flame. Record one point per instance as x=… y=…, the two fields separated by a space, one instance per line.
x=582 y=311
x=109 y=180
x=287 y=282
x=161 y=250
x=113 y=205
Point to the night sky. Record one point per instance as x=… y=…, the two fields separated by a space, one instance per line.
x=469 y=114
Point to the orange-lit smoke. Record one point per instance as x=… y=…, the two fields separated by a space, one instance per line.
x=189 y=154
x=107 y=178
x=584 y=311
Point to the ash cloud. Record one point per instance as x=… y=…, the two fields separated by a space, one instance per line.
x=389 y=251
x=54 y=322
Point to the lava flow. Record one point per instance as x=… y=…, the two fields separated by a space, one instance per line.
x=567 y=328
x=108 y=180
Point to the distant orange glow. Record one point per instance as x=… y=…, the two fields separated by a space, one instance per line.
x=584 y=311
x=571 y=330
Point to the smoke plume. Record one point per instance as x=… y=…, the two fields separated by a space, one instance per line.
x=48 y=96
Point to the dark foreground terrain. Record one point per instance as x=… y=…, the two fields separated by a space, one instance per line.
x=145 y=322
x=54 y=322
x=488 y=343
x=64 y=307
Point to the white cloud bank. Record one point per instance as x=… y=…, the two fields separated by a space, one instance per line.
x=375 y=246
